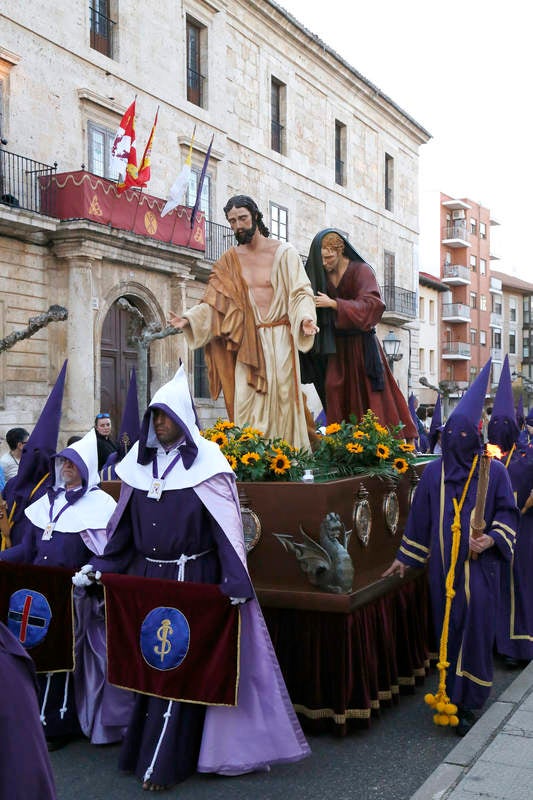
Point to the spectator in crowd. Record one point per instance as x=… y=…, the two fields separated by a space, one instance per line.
x=16 y=438
x=106 y=445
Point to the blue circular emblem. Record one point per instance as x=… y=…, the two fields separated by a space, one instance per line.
x=28 y=617
x=165 y=638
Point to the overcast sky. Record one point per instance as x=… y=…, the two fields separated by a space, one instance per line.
x=464 y=72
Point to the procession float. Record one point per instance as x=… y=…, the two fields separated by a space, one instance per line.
x=320 y=530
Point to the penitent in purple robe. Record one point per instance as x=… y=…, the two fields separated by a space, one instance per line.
x=515 y=618
x=428 y=538
x=263 y=728
x=25 y=770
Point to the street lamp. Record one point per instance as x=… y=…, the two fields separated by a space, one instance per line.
x=391 y=346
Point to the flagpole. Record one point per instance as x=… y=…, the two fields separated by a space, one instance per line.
x=199 y=189
x=136 y=209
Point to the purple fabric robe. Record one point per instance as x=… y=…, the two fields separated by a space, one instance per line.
x=427 y=539
x=25 y=770
x=262 y=729
x=515 y=616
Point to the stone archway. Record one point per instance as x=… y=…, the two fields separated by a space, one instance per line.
x=118 y=355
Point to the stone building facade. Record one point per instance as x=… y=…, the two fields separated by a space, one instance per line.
x=291 y=123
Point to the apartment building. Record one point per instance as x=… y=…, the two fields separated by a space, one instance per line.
x=471 y=311
x=429 y=347
x=290 y=123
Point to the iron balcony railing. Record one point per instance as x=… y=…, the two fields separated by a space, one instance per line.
x=461 y=349
x=218 y=238
x=460 y=310
x=102 y=32
x=402 y=301
x=22 y=182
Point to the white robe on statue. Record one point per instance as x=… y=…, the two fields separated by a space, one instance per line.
x=279 y=412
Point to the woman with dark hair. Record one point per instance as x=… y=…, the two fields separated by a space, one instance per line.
x=106 y=446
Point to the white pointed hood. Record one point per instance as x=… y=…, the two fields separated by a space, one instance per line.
x=89 y=506
x=199 y=460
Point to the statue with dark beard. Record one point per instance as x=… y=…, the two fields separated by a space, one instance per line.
x=258 y=311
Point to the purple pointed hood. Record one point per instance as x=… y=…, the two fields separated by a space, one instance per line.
x=461 y=438
x=503 y=428
x=37 y=452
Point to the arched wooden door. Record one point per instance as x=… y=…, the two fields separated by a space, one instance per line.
x=118 y=355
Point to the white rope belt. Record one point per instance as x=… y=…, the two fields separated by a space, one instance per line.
x=180 y=562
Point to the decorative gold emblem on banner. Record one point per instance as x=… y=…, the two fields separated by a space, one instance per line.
x=150 y=223
x=95 y=208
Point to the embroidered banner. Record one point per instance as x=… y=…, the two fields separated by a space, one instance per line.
x=36 y=606
x=172 y=639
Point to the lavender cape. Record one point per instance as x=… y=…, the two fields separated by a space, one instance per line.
x=25 y=770
x=427 y=540
x=263 y=728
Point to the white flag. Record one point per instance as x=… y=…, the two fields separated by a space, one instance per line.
x=177 y=190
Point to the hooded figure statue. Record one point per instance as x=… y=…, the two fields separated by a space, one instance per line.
x=67 y=528
x=346 y=363
x=438 y=534
x=178 y=518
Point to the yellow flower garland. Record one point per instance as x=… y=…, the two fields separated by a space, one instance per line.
x=447 y=711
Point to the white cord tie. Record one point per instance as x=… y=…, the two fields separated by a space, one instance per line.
x=45 y=698
x=166 y=717
x=63 y=709
x=180 y=562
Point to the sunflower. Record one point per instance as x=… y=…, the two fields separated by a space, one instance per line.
x=382 y=451
x=245 y=437
x=354 y=448
x=400 y=465
x=252 y=431
x=247 y=457
x=405 y=447
x=220 y=438
x=380 y=428
x=333 y=428
x=232 y=461
x=224 y=424
x=357 y=434
x=280 y=464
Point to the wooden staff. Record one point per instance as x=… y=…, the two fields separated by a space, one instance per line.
x=477 y=521
x=5 y=527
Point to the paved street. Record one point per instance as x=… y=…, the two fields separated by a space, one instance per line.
x=388 y=762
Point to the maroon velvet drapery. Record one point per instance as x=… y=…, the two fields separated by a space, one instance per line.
x=209 y=671
x=340 y=669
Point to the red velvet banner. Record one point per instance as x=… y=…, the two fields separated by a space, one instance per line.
x=82 y=195
x=172 y=639
x=36 y=605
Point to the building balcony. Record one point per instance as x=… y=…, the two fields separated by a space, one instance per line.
x=456 y=275
x=496 y=353
x=21 y=183
x=456 y=235
x=496 y=286
x=30 y=186
x=496 y=319
x=400 y=305
x=455 y=351
x=455 y=312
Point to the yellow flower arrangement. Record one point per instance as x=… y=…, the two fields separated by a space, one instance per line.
x=252 y=457
x=363 y=446
x=347 y=448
